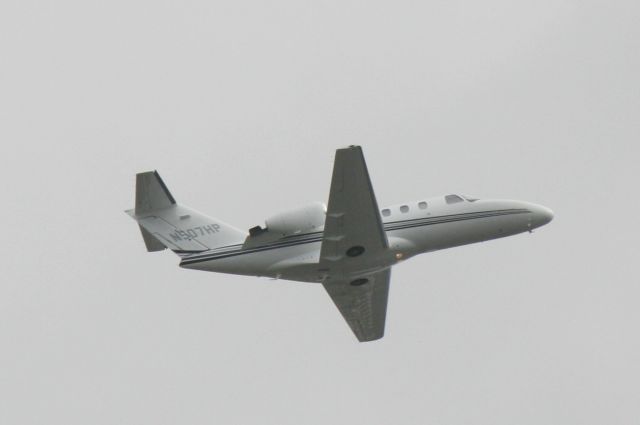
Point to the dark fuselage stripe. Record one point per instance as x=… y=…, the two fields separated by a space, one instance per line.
x=317 y=236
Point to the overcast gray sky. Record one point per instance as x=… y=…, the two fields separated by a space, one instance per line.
x=240 y=105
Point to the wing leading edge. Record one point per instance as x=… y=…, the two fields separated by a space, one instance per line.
x=354 y=240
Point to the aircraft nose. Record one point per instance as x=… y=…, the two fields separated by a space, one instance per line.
x=541 y=215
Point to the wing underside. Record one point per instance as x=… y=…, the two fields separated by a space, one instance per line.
x=364 y=307
x=354 y=241
x=353 y=218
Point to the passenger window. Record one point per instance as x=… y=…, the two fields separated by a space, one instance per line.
x=404 y=209
x=453 y=199
x=422 y=205
x=386 y=212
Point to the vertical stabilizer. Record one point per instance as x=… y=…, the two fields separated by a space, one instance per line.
x=151 y=193
x=167 y=224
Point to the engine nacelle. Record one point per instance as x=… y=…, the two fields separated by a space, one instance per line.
x=309 y=218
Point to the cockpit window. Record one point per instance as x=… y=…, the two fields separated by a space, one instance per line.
x=470 y=199
x=453 y=199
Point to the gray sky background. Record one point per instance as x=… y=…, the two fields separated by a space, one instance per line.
x=240 y=106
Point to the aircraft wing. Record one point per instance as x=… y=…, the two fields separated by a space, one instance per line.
x=353 y=225
x=364 y=307
x=354 y=240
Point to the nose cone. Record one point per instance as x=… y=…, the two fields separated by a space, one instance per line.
x=540 y=215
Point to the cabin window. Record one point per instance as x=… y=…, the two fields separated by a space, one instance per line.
x=422 y=205
x=453 y=199
x=404 y=209
x=386 y=212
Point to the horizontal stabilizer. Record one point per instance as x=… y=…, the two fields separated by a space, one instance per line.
x=150 y=241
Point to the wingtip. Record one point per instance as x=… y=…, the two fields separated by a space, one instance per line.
x=350 y=147
x=371 y=338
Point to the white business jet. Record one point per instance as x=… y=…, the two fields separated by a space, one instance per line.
x=349 y=246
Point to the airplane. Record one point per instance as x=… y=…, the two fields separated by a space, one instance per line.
x=349 y=245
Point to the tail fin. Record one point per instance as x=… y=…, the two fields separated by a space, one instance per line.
x=151 y=193
x=166 y=224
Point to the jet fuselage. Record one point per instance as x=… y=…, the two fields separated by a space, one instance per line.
x=411 y=228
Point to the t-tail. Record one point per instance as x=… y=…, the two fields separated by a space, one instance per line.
x=166 y=224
